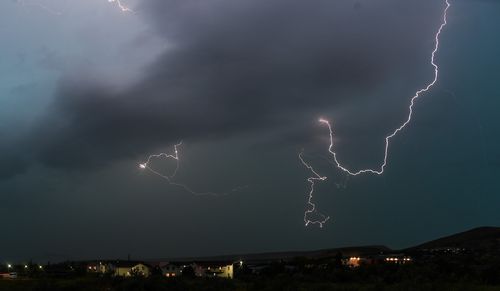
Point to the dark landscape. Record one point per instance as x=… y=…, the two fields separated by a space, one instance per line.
x=465 y=261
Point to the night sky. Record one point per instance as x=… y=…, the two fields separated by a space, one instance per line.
x=88 y=91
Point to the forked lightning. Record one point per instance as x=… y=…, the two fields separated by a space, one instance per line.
x=380 y=170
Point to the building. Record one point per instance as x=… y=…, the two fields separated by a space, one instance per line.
x=128 y=269
x=214 y=269
x=98 y=267
x=354 y=262
x=120 y=268
x=171 y=269
x=398 y=259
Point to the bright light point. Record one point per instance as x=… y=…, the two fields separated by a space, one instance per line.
x=142 y=166
x=9 y=266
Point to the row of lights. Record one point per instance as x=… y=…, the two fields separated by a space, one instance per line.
x=9 y=266
x=387 y=259
x=397 y=259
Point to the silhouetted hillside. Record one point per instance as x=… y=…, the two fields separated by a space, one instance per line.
x=481 y=238
x=276 y=256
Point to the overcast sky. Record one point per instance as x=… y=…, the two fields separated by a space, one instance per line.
x=88 y=91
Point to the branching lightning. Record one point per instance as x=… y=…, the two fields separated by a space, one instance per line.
x=312 y=206
x=120 y=5
x=388 y=138
x=170 y=178
x=174 y=156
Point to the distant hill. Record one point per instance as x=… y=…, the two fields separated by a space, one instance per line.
x=275 y=256
x=480 y=238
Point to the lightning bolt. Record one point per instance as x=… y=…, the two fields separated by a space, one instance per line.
x=170 y=178
x=174 y=156
x=120 y=5
x=388 y=138
x=312 y=206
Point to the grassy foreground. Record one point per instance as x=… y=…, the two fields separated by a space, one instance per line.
x=282 y=282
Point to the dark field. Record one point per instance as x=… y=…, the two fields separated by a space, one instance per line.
x=279 y=283
x=464 y=261
x=412 y=277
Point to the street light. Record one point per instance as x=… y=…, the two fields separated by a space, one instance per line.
x=9 y=266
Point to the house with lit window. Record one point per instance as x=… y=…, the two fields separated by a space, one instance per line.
x=120 y=268
x=171 y=269
x=129 y=269
x=101 y=267
x=397 y=259
x=214 y=269
x=354 y=262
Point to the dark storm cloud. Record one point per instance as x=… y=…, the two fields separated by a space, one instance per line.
x=12 y=166
x=235 y=67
